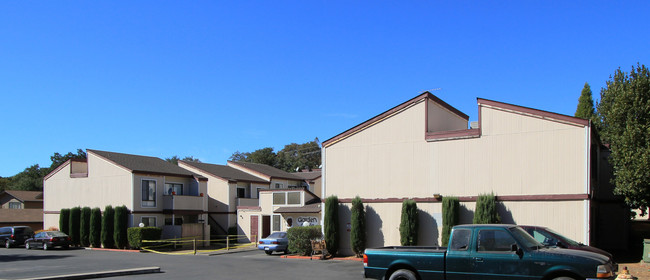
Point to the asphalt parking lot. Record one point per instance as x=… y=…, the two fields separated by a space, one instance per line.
x=19 y=263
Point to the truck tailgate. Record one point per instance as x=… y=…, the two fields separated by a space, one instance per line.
x=428 y=262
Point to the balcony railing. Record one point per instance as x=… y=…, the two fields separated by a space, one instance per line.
x=183 y=202
x=248 y=202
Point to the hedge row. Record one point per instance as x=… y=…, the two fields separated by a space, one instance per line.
x=88 y=227
x=137 y=234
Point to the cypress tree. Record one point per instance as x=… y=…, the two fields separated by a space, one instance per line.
x=358 y=227
x=331 y=224
x=64 y=221
x=586 y=109
x=486 y=210
x=408 y=227
x=120 y=228
x=450 y=216
x=107 y=227
x=95 y=227
x=84 y=228
x=75 y=216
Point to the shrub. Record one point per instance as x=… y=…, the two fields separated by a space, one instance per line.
x=408 y=227
x=84 y=228
x=358 y=227
x=95 y=227
x=107 y=227
x=331 y=224
x=486 y=210
x=64 y=220
x=300 y=238
x=450 y=215
x=137 y=234
x=120 y=226
x=75 y=216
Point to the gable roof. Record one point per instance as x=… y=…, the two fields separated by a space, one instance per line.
x=535 y=112
x=378 y=118
x=267 y=170
x=311 y=175
x=225 y=172
x=144 y=164
x=25 y=196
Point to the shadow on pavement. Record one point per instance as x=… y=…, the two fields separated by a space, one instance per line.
x=22 y=257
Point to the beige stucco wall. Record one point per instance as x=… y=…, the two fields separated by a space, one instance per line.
x=441 y=119
x=516 y=154
x=106 y=184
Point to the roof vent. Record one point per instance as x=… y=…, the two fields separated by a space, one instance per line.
x=473 y=125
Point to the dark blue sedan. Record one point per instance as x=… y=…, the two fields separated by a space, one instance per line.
x=276 y=242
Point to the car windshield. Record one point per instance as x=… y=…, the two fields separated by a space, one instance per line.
x=277 y=235
x=525 y=238
x=564 y=238
x=56 y=234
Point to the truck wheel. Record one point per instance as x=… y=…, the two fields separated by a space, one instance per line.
x=403 y=274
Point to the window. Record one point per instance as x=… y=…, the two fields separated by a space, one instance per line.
x=293 y=198
x=495 y=241
x=241 y=193
x=279 y=185
x=460 y=240
x=149 y=221
x=148 y=193
x=15 y=205
x=279 y=198
x=173 y=188
x=276 y=222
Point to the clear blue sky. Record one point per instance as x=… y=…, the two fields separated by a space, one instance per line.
x=208 y=78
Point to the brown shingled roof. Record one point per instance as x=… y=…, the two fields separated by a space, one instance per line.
x=26 y=196
x=311 y=175
x=225 y=172
x=144 y=164
x=21 y=215
x=267 y=170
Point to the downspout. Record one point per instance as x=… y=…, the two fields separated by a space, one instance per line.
x=587 y=203
x=322 y=198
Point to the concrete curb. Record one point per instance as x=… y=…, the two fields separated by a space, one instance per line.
x=112 y=250
x=101 y=274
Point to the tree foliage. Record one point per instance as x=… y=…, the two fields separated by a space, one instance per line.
x=586 y=109
x=624 y=110
x=107 y=227
x=74 y=225
x=486 y=210
x=120 y=227
x=300 y=239
x=64 y=220
x=408 y=226
x=450 y=216
x=291 y=158
x=358 y=227
x=175 y=159
x=331 y=224
x=58 y=159
x=84 y=228
x=31 y=179
x=95 y=227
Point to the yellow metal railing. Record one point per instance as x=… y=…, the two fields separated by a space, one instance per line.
x=157 y=246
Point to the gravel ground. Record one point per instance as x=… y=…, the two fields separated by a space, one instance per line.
x=639 y=270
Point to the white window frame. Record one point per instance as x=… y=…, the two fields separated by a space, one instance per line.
x=279 y=185
x=155 y=220
x=286 y=199
x=155 y=197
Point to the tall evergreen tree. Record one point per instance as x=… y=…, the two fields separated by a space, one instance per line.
x=84 y=228
x=486 y=210
x=64 y=221
x=120 y=227
x=95 y=227
x=409 y=224
x=586 y=109
x=331 y=224
x=75 y=216
x=107 y=227
x=624 y=109
x=358 y=227
x=450 y=215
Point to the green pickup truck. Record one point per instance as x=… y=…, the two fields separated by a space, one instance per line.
x=486 y=252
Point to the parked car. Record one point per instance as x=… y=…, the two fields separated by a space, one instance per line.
x=485 y=252
x=551 y=238
x=276 y=242
x=15 y=236
x=48 y=240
